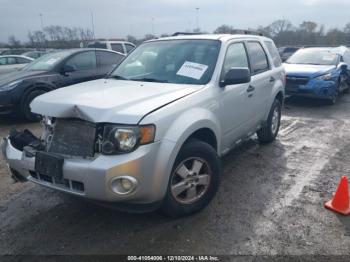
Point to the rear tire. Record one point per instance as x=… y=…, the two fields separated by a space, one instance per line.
x=194 y=179
x=26 y=112
x=268 y=133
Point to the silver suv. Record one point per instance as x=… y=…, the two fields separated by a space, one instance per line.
x=151 y=134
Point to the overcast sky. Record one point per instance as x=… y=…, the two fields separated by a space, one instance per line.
x=118 y=18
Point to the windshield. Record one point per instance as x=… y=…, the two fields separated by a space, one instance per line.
x=47 y=62
x=313 y=57
x=172 y=61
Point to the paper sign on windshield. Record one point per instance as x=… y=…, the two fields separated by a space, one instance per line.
x=192 y=70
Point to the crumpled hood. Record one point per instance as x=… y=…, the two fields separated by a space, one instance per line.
x=109 y=100
x=307 y=70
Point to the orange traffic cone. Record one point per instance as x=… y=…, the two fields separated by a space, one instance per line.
x=340 y=201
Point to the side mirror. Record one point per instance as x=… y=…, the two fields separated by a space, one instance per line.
x=236 y=76
x=68 y=69
x=342 y=66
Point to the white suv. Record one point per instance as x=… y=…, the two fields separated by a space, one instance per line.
x=118 y=46
x=152 y=133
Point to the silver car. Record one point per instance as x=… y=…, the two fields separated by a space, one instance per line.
x=151 y=134
x=12 y=63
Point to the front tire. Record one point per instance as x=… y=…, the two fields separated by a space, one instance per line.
x=334 y=98
x=26 y=112
x=268 y=133
x=194 y=179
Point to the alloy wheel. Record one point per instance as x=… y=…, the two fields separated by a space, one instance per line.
x=190 y=180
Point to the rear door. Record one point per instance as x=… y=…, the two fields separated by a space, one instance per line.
x=261 y=83
x=106 y=61
x=85 y=66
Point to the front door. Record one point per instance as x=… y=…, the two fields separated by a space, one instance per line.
x=235 y=100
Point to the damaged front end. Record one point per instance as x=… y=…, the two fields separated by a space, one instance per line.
x=85 y=159
x=17 y=143
x=41 y=159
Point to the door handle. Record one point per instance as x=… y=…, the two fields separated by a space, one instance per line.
x=250 y=89
x=272 y=79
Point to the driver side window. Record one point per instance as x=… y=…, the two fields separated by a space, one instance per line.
x=236 y=56
x=83 y=61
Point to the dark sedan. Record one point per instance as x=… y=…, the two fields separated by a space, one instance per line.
x=52 y=71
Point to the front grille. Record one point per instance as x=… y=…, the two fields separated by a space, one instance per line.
x=73 y=138
x=293 y=83
x=66 y=184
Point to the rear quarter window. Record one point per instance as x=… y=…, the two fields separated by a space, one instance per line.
x=117 y=48
x=276 y=59
x=97 y=45
x=258 y=58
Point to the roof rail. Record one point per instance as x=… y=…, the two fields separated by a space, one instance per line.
x=245 y=32
x=185 y=33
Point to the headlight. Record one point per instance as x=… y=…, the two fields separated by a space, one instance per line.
x=325 y=77
x=10 y=86
x=124 y=139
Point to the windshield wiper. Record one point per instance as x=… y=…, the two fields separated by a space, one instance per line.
x=145 y=79
x=117 y=77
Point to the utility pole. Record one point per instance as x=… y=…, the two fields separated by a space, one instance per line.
x=41 y=21
x=92 y=25
x=197 y=14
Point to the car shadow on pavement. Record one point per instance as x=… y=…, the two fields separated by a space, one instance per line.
x=56 y=223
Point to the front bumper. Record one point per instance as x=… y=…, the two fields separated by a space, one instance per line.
x=314 y=88
x=92 y=178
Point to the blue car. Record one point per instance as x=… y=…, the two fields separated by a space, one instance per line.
x=318 y=73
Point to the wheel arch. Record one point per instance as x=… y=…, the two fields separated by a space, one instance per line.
x=205 y=128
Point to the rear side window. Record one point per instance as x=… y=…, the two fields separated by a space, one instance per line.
x=258 y=58
x=276 y=59
x=11 y=61
x=83 y=61
x=108 y=58
x=236 y=56
x=117 y=48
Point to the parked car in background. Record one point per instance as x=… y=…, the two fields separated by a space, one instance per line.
x=318 y=73
x=49 y=72
x=3 y=50
x=11 y=63
x=287 y=51
x=152 y=133
x=118 y=46
x=19 y=51
x=35 y=54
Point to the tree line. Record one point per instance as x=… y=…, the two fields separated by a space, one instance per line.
x=308 y=33
x=54 y=36
x=282 y=31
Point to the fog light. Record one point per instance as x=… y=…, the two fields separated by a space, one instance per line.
x=126 y=184
x=123 y=185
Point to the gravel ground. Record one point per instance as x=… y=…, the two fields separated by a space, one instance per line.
x=270 y=201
